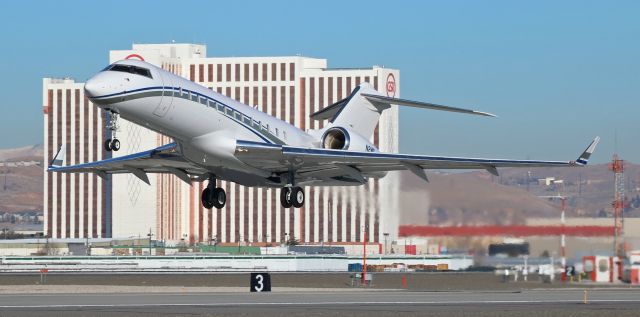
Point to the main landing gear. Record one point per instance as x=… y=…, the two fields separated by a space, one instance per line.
x=112 y=143
x=213 y=196
x=292 y=196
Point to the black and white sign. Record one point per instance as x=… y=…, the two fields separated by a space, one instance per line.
x=260 y=282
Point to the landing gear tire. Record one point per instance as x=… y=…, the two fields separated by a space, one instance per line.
x=213 y=198
x=207 y=201
x=297 y=196
x=219 y=198
x=115 y=145
x=107 y=145
x=285 y=197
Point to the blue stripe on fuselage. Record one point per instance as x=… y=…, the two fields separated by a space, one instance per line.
x=163 y=88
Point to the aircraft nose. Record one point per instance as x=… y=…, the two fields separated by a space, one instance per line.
x=91 y=88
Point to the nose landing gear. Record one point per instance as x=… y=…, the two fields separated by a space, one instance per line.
x=112 y=143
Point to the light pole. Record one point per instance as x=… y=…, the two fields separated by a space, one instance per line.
x=563 y=202
x=386 y=237
x=150 y=235
x=286 y=241
x=364 y=257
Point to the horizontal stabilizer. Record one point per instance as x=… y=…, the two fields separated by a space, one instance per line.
x=385 y=102
x=329 y=111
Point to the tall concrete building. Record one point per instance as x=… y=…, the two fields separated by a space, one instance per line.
x=290 y=88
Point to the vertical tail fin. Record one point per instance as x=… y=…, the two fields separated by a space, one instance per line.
x=355 y=112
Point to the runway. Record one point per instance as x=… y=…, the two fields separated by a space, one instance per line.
x=547 y=302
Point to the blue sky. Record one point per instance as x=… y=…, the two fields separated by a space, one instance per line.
x=557 y=73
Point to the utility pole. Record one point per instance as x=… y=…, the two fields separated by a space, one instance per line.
x=150 y=235
x=563 y=256
x=364 y=258
x=386 y=237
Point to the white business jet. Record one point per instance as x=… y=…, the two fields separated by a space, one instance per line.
x=217 y=137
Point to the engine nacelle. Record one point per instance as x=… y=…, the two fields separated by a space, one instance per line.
x=339 y=138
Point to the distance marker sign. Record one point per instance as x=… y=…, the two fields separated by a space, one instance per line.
x=260 y=282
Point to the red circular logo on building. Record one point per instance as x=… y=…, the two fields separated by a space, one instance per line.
x=391 y=85
x=134 y=56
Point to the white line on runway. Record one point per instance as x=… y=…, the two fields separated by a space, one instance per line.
x=377 y=303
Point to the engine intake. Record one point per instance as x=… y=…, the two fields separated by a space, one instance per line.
x=336 y=138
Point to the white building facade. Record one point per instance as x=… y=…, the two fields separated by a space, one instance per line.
x=75 y=205
x=290 y=88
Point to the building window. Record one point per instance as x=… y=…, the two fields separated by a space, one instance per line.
x=273 y=71
x=192 y=72
x=292 y=71
x=255 y=72
x=264 y=72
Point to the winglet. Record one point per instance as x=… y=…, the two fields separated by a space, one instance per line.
x=584 y=157
x=58 y=160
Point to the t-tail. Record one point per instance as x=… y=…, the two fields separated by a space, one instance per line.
x=361 y=111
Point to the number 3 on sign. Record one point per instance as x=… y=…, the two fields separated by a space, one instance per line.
x=260 y=282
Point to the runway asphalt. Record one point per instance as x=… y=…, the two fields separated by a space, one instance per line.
x=540 y=302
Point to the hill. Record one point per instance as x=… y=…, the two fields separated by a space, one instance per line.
x=480 y=198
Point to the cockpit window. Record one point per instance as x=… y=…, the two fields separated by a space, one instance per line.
x=129 y=69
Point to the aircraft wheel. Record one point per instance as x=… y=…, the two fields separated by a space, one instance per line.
x=297 y=197
x=115 y=145
x=219 y=198
x=285 y=197
x=207 y=198
x=107 y=145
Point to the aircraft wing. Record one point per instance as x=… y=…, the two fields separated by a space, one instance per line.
x=313 y=163
x=164 y=159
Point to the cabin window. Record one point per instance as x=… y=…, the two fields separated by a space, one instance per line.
x=246 y=120
x=229 y=111
x=220 y=107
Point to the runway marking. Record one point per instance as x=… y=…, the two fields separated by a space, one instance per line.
x=327 y=303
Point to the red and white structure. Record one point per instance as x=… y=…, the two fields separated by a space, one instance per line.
x=603 y=268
